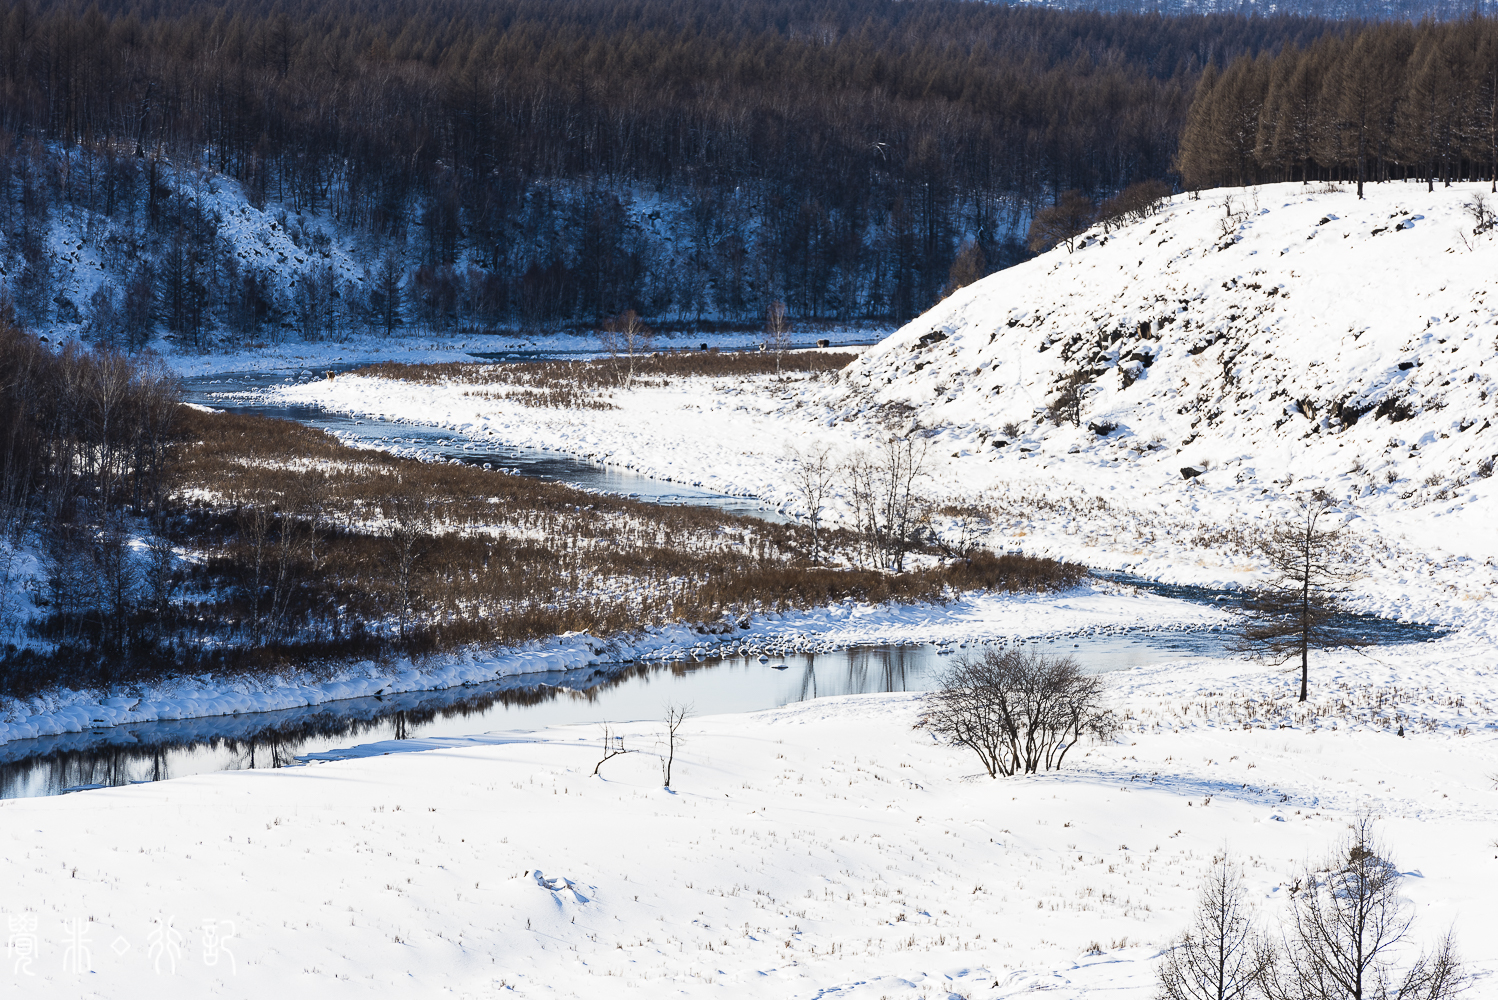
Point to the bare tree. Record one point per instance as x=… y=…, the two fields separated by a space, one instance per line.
x=274 y=540
x=969 y=522
x=109 y=382
x=1348 y=917
x=613 y=746
x=675 y=716
x=118 y=582
x=1297 y=611
x=161 y=580
x=104 y=323
x=888 y=507
x=626 y=335
x=777 y=331
x=969 y=265
x=385 y=294
x=812 y=477
x=1061 y=223
x=1020 y=712
x=410 y=526
x=1221 y=957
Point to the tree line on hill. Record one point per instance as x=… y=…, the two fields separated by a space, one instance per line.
x=529 y=162
x=1337 y=10
x=1388 y=101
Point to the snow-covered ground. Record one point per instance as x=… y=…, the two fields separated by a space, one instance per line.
x=824 y=849
x=1253 y=343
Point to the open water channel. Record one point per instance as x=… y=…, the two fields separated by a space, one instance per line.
x=119 y=755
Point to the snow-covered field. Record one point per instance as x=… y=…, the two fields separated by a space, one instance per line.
x=830 y=848
x=825 y=849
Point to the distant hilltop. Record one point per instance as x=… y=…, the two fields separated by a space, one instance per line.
x=1250 y=339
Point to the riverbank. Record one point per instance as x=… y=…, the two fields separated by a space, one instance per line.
x=273 y=550
x=1095 y=607
x=827 y=846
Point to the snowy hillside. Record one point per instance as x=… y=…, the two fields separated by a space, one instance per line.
x=189 y=263
x=1293 y=340
x=1250 y=341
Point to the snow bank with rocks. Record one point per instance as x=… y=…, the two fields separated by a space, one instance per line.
x=1252 y=343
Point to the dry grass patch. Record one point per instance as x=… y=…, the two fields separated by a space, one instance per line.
x=302 y=550
x=571 y=378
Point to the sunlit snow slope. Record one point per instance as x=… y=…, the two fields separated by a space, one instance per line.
x=1270 y=337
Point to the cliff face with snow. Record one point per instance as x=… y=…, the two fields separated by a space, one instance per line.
x=1248 y=341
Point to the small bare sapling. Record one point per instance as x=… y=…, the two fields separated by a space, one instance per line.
x=675 y=716
x=613 y=746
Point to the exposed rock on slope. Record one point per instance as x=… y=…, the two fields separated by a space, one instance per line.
x=1247 y=340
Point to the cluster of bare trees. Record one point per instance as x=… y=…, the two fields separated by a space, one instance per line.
x=626 y=336
x=1380 y=102
x=281 y=543
x=890 y=512
x=84 y=436
x=1347 y=918
x=1020 y=712
x=1073 y=213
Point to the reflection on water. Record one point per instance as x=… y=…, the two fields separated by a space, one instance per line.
x=1364 y=629
x=152 y=751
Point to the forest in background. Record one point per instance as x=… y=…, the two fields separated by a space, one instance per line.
x=1389 y=101
x=540 y=164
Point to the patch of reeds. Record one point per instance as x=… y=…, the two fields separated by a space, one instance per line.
x=301 y=550
x=602 y=373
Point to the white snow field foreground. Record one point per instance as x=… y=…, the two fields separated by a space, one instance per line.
x=824 y=849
